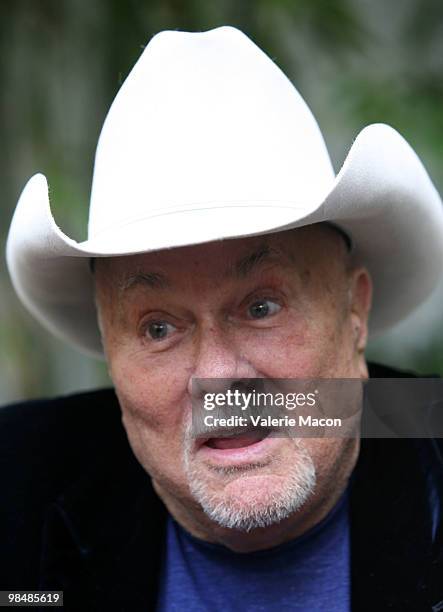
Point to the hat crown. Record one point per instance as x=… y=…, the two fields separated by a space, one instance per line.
x=205 y=120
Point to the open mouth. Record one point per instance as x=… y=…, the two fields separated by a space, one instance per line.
x=241 y=440
x=238 y=448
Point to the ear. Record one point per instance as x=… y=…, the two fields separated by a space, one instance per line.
x=360 y=306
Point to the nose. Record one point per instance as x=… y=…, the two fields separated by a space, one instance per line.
x=219 y=364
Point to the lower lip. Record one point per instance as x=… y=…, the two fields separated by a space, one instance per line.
x=244 y=455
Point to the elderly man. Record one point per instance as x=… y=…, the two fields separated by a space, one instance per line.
x=221 y=246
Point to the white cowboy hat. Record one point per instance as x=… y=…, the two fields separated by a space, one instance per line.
x=207 y=139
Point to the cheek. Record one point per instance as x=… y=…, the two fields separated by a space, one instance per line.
x=154 y=409
x=332 y=458
x=308 y=350
x=150 y=387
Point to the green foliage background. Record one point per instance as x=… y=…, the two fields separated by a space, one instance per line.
x=62 y=62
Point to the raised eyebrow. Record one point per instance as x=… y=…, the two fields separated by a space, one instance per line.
x=150 y=280
x=244 y=266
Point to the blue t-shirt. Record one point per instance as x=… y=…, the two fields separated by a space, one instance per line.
x=310 y=573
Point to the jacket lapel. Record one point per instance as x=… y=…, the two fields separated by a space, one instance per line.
x=103 y=539
x=391 y=535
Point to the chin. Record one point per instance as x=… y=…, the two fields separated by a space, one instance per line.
x=254 y=496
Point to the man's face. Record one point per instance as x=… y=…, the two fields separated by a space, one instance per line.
x=286 y=305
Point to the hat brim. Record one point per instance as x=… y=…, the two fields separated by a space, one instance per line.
x=382 y=197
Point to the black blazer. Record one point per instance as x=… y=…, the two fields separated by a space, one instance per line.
x=79 y=514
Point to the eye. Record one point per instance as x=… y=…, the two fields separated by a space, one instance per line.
x=263 y=308
x=159 y=330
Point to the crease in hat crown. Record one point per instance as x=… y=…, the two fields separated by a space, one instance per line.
x=205 y=118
